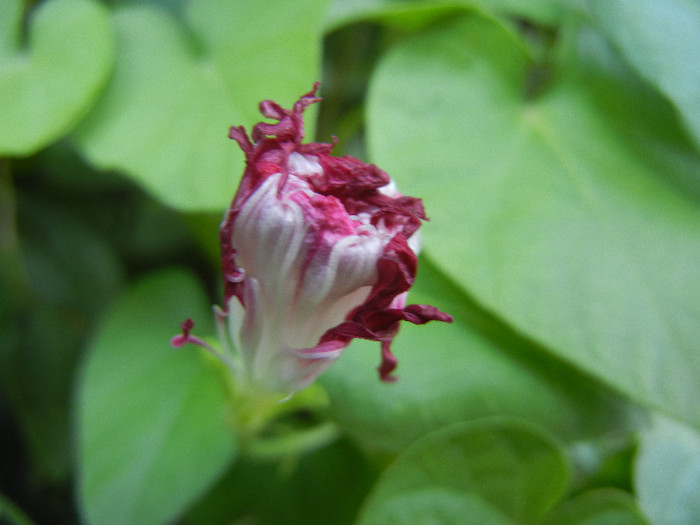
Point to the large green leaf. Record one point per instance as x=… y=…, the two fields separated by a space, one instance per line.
x=544 y=210
x=667 y=474
x=641 y=117
x=152 y=426
x=662 y=41
x=320 y=487
x=417 y=13
x=491 y=471
x=178 y=88
x=434 y=505
x=597 y=507
x=472 y=368
x=46 y=89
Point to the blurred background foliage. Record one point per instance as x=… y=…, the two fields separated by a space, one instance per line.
x=556 y=146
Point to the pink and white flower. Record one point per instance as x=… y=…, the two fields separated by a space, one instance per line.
x=316 y=250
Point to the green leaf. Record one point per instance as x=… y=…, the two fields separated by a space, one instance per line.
x=473 y=368
x=435 y=505
x=152 y=428
x=419 y=13
x=326 y=486
x=269 y=50
x=45 y=90
x=644 y=119
x=544 y=210
x=407 y=15
x=499 y=469
x=598 y=507
x=177 y=89
x=667 y=474
x=661 y=40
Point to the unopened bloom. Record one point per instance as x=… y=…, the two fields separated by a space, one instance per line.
x=316 y=250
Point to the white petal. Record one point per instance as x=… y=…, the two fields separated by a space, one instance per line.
x=304 y=165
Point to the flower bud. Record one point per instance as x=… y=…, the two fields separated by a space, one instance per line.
x=316 y=250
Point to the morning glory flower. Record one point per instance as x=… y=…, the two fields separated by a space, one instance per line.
x=316 y=250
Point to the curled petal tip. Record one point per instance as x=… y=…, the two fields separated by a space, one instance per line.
x=178 y=341
x=182 y=339
x=388 y=364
